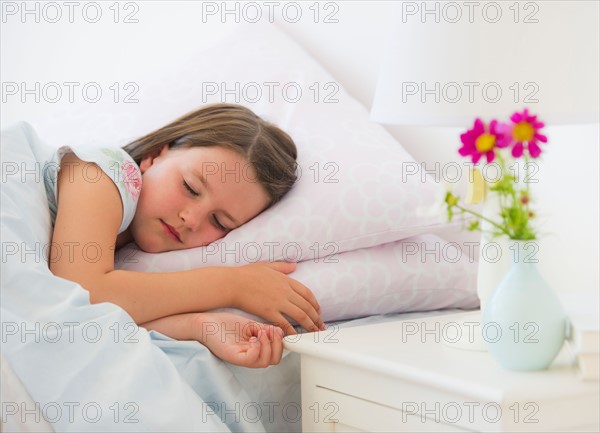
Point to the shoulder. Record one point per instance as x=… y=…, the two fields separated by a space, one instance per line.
x=84 y=182
x=88 y=217
x=113 y=161
x=112 y=165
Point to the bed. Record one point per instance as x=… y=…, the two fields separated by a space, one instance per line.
x=90 y=368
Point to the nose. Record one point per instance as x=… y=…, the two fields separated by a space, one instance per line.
x=192 y=217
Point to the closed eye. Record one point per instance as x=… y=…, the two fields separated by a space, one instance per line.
x=219 y=225
x=190 y=190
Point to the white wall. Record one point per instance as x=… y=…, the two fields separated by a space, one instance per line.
x=567 y=195
x=351 y=49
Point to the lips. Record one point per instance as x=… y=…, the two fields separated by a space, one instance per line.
x=171 y=232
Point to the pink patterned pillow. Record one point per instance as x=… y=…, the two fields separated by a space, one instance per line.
x=420 y=273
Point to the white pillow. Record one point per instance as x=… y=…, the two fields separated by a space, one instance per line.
x=358 y=186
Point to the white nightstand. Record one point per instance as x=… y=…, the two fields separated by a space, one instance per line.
x=398 y=376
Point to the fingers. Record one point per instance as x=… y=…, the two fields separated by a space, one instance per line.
x=305 y=314
x=308 y=303
x=306 y=293
x=302 y=318
x=276 y=335
x=301 y=304
x=265 y=349
x=251 y=356
x=281 y=266
x=251 y=328
x=282 y=323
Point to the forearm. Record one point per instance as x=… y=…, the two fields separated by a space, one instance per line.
x=147 y=296
x=179 y=326
x=188 y=326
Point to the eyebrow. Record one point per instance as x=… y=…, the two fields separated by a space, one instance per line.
x=205 y=184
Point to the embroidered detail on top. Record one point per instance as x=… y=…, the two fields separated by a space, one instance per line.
x=125 y=174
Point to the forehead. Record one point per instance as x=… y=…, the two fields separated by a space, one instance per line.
x=208 y=154
x=217 y=164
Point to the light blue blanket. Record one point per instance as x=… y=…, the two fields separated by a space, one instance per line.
x=89 y=367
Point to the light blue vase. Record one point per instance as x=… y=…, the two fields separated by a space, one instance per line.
x=523 y=322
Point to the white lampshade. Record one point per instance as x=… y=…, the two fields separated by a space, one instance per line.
x=449 y=62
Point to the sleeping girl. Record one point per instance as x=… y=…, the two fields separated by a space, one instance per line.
x=183 y=186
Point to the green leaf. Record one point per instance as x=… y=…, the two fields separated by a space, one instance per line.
x=474 y=226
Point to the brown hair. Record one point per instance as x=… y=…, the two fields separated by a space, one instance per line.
x=271 y=152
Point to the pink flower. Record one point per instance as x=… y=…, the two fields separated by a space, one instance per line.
x=132 y=179
x=479 y=141
x=526 y=131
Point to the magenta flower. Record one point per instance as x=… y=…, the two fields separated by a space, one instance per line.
x=479 y=141
x=526 y=132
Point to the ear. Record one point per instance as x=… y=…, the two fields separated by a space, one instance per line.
x=148 y=160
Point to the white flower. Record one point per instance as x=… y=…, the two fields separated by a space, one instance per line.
x=438 y=207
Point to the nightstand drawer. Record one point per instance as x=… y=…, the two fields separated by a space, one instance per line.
x=373 y=378
x=336 y=395
x=326 y=385
x=352 y=414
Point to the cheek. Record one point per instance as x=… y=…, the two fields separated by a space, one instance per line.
x=158 y=195
x=206 y=236
x=215 y=234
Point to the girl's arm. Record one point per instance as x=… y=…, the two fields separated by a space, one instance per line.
x=150 y=295
x=82 y=250
x=232 y=338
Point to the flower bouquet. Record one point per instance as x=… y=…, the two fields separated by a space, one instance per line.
x=524 y=314
x=500 y=142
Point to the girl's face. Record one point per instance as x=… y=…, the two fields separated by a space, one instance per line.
x=192 y=197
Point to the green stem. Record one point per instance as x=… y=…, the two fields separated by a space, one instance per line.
x=526 y=180
x=501 y=194
x=478 y=215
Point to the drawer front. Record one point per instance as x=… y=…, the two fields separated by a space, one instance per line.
x=353 y=414
x=372 y=402
x=326 y=385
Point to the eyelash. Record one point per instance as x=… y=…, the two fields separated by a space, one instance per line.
x=195 y=194
x=219 y=225
x=190 y=190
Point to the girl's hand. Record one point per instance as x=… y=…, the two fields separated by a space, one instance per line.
x=266 y=290
x=238 y=340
